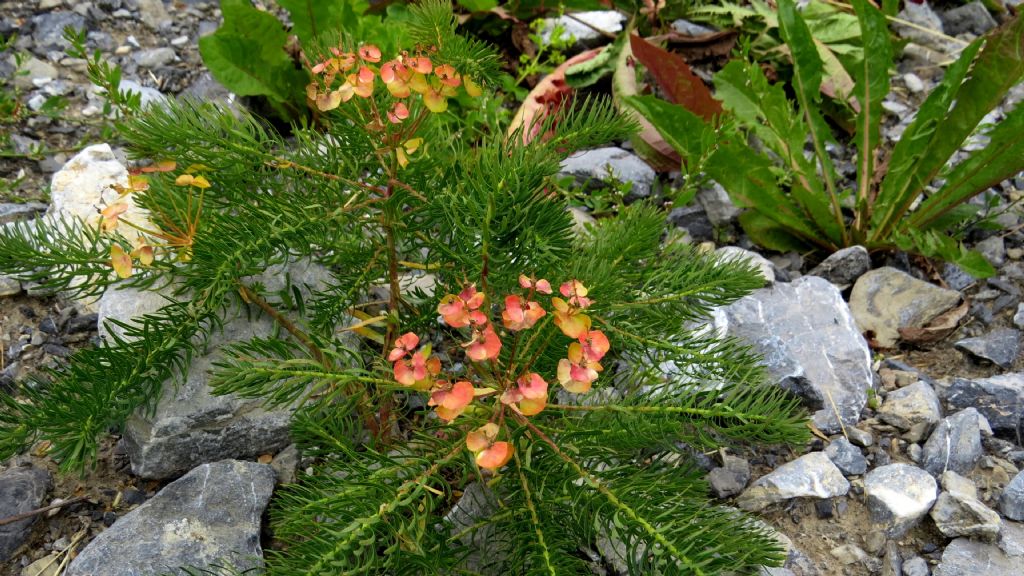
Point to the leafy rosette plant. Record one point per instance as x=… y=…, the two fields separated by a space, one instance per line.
x=550 y=405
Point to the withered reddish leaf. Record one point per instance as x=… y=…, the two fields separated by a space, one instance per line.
x=549 y=96
x=673 y=75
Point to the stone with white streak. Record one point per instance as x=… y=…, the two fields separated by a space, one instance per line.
x=809 y=476
x=810 y=344
x=209 y=517
x=898 y=496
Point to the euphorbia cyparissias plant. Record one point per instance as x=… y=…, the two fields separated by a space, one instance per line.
x=514 y=387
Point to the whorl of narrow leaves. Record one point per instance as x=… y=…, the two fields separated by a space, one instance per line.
x=567 y=376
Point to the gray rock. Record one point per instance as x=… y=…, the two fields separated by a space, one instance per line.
x=148 y=96
x=955 y=277
x=842 y=268
x=209 y=516
x=809 y=476
x=1011 y=503
x=859 y=437
x=760 y=263
x=189 y=426
x=35 y=70
x=585 y=34
x=848 y=554
x=958 y=485
x=729 y=479
x=1011 y=539
x=958 y=514
x=717 y=204
x=915 y=407
x=886 y=299
x=1018 y=317
x=972 y=18
x=286 y=464
x=1000 y=347
x=154 y=57
x=21 y=489
x=687 y=28
x=9 y=286
x=913 y=83
x=999 y=398
x=48 y=31
x=152 y=13
x=486 y=544
x=955 y=444
x=810 y=344
x=24 y=211
x=847 y=457
x=898 y=496
x=597 y=165
x=965 y=557
x=916 y=566
x=993 y=248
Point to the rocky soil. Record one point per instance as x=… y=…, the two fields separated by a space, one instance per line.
x=910 y=370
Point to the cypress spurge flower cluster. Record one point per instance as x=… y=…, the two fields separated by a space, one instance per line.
x=469 y=346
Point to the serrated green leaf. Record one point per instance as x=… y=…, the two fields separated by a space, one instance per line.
x=999 y=160
x=975 y=264
x=872 y=77
x=679 y=127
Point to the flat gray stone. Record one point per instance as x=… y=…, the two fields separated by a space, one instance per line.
x=886 y=299
x=581 y=27
x=1011 y=538
x=729 y=479
x=594 y=166
x=1000 y=347
x=999 y=398
x=916 y=566
x=154 y=57
x=965 y=557
x=21 y=489
x=955 y=444
x=898 y=496
x=809 y=476
x=843 y=267
x=717 y=205
x=209 y=516
x=1011 y=503
x=911 y=405
x=760 y=263
x=958 y=514
x=24 y=211
x=810 y=344
x=9 y=286
x=972 y=18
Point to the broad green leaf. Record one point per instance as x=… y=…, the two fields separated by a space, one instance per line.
x=679 y=127
x=770 y=234
x=312 y=18
x=974 y=263
x=999 y=160
x=807 y=74
x=999 y=66
x=872 y=76
x=749 y=179
x=478 y=5
x=904 y=181
x=830 y=25
x=247 y=55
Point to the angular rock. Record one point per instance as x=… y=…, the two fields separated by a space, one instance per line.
x=21 y=489
x=965 y=557
x=847 y=457
x=993 y=248
x=729 y=479
x=1011 y=503
x=190 y=426
x=916 y=566
x=972 y=18
x=1000 y=347
x=898 y=496
x=910 y=406
x=886 y=299
x=16 y=212
x=1011 y=539
x=585 y=34
x=155 y=57
x=955 y=444
x=9 y=286
x=958 y=485
x=999 y=398
x=760 y=263
x=842 y=268
x=809 y=476
x=209 y=516
x=811 y=346
x=717 y=204
x=48 y=32
x=957 y=514
x=594 y=166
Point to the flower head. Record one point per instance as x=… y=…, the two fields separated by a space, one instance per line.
x=488 y=453
x=570 y=319
x=398 y=113
x=520 y=314
x=369 y=53
x=485 y=344
x=576 y=292
x=576 y=373
x=528 y=396
x=594 y=344
x=542 y=285
x=461 y=310
x=451 y=399
x=404 y=345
